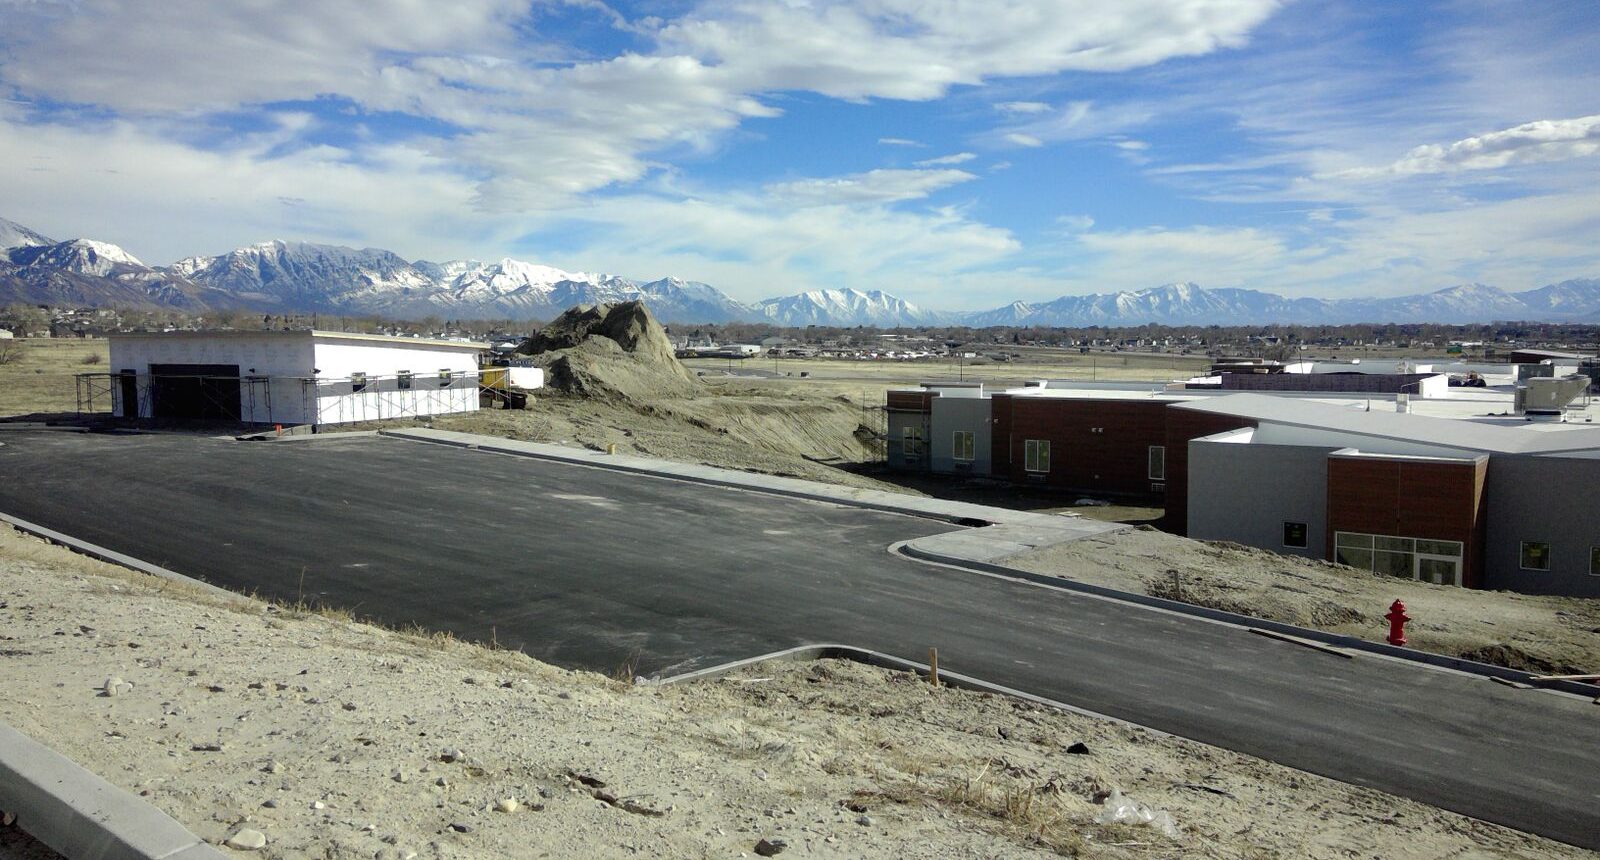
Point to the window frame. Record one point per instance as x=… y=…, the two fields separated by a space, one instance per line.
x=1594 y=561
x=402 y=380
x=963 y=441
x=1305 y=535
x=911 y=442
x=1036 y=452
x=445 y=377
x=358 y=381
x=1151 y=455
x=1522 y=555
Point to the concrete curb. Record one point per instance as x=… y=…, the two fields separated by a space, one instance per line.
x=82 y=816
x=960 y=513
x=830 y=651
x=117 y=558
x=911 y=549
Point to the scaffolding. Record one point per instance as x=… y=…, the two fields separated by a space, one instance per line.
x=281 y=400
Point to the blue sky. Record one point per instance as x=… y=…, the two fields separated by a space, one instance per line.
x=961 y=154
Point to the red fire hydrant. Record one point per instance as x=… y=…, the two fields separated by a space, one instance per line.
x=1397 y=623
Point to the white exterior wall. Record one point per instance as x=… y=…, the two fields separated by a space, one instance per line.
x=287 y=363
x=381 y=361
x=268 y=354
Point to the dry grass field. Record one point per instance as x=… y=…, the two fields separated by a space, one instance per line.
x=39 y=378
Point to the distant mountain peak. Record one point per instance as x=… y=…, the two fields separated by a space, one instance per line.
x=14 y=235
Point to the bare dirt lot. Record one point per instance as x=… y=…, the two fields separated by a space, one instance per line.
x=336 y=739
x=39 y=377
x=1540 y=634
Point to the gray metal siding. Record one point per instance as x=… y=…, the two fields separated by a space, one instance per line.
x=1554 y=500
x=960 y=413
x=1245 y=492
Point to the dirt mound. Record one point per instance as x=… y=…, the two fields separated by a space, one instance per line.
x=609 y=351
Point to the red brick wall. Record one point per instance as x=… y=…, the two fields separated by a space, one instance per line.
x=911 y=401
x=1096 y=446
x=1182 y=426
x=1409 y=498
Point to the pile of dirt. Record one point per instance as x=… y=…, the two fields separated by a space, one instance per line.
x=607 y=351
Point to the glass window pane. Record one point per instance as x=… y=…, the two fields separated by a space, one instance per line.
x=1396 y=544
x=1361 y=558
x=1535 y=555
x=1294 y=534
x=1439 y=547
x=1594 y=561
x=1352 y=539
x=1393 y=563
x=1436 y=571
x=1044 y=456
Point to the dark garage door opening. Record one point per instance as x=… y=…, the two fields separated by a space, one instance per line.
x=203 y=391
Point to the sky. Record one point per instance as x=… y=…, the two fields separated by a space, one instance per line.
x=961 y=154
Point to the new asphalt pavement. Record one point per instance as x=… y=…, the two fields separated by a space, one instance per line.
x=588 y=568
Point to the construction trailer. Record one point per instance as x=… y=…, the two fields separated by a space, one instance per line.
x=282 y=377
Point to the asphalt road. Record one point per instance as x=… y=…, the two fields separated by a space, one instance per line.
x=589 y=568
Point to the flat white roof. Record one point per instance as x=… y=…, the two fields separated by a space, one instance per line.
x=314 y=333
x=1510 y=437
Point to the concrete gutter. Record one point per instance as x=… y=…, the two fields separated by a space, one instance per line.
x=1000 y=534
x=80 y=815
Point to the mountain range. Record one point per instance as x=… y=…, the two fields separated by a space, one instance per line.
x=302 y=277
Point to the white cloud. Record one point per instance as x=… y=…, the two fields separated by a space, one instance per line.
x=1541 y=141
x=1021 y=139
x=538 y=127
x=898 y=141
x=873 y=186
x=1074 y=223
x=1021 y=107
x=957 y=158
x=1132 y=145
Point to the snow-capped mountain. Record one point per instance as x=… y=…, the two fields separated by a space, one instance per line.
x=301 y=276
x=79 y=256
x=1189 y=304
x=86 y=272
x=330 y=278
x=847 y=308
x=14 y=235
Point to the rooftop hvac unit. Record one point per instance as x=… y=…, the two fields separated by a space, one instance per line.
x=1547 y=397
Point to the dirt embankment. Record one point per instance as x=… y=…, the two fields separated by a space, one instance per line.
x=338 y=740
x=613 y=380
x=1558 y=635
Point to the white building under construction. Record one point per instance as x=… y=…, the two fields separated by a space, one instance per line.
x=286 y=377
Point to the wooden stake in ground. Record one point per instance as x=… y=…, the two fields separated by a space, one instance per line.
x=933 y=666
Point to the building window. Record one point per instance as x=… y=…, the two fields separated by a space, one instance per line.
x=911 y=441
x=1436 y=561
x=444 y=377
x=358 y=382
x=1158 y=462
x=1535 y=555
x=1036 y=455
x=1294 y=534
x=961 y=445
x=402 y=380
x=1594 y=561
